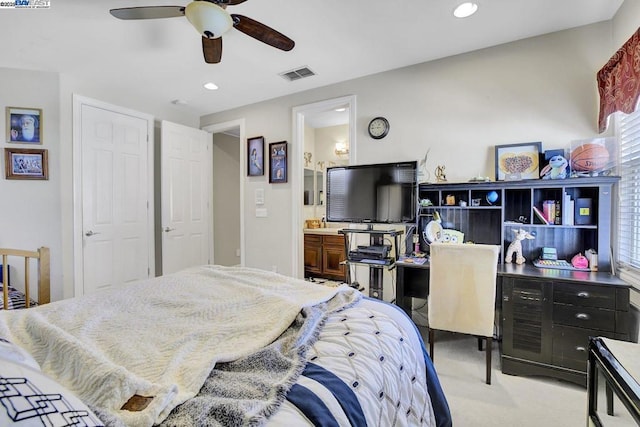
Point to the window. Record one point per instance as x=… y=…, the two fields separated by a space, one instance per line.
x=629 y=197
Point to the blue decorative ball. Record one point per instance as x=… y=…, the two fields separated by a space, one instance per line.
x=492 y=197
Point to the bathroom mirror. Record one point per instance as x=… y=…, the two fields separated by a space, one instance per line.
x=308 y=198
x=320 y=188
x=313 y=190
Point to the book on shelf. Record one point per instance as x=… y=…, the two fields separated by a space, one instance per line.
x=584 y=213
x=567 y=212
x=549 y=211
x=540 y=215
x=558 y=213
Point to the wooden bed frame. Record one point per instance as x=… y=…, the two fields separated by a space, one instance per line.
x=42 y=257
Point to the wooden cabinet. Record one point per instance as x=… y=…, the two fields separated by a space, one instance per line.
x=324 y=255
x=333 y=255
x=312 y=255
x=547 y=321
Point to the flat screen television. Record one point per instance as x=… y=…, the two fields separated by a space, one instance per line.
x=380 y=193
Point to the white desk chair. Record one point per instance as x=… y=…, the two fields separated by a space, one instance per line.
x=462 y=292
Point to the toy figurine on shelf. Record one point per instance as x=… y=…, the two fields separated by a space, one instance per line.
x=440 y=175
x=556 y=169
x=516 y=246
x=423 y=173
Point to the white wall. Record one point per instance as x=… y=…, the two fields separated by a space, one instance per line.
x=226 y=199
x=538 y=89
x=30 y=210
x=625 y=23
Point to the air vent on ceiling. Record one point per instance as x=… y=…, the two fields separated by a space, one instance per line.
x=297 y=74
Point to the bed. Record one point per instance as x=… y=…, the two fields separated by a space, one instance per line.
x=216 y=345
x=13 y=298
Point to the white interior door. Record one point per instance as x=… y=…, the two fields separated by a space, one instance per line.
x=115 y=162
x=186 y=180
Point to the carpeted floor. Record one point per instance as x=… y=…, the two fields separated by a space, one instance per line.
x=509 y=400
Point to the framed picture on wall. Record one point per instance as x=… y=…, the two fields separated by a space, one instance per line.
x=26 y=163
x=278 y=162
x=24 y=125
x=518 y=161
x=255 y=156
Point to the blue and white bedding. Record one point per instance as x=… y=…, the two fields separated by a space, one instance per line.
x=16 y=299
x=369 y=367
x=232 y=346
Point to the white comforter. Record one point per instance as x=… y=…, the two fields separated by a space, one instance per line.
x=77 y=340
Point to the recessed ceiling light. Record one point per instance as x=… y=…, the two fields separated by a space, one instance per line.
x=210 y=86
x=341 y=109
x=465 y=10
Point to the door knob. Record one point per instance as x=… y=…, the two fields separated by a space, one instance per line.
x=167 y=229
x=90 y=233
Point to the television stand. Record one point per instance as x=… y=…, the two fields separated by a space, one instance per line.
x=376 y=265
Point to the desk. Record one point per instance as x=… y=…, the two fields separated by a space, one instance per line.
x=546 y=316
x=412 y=281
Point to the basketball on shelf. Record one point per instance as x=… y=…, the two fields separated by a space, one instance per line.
x=589 y=158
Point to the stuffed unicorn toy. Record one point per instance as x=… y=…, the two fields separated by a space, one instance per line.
x=516 y=246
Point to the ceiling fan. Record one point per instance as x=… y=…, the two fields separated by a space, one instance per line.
x=211 y=20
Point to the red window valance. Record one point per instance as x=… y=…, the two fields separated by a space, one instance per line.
x=619 y=81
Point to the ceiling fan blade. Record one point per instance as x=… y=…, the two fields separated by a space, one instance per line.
x=212 y=50
x=232 y=2
x=262 y=32
x=148 y=12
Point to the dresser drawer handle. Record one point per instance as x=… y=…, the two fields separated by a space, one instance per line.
x=580 y=348
x=583 y=294
x=582 y=316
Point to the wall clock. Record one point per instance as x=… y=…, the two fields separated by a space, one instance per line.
x=378 y=128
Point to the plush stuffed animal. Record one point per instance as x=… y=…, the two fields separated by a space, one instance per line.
x=556 y=169
x=516 y=246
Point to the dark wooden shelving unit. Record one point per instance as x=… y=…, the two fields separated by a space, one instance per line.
x=547 y=315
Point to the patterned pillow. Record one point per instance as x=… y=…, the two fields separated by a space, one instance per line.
x=30 y=398
x=12 y=352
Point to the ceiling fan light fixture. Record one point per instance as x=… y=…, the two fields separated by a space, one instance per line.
x=464 y=10
x=209 y=19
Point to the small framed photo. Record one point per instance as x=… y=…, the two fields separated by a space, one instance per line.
x=518 y=161
x=255 y=156
x=278 y=162
x=24 y=125
x=26 y=163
